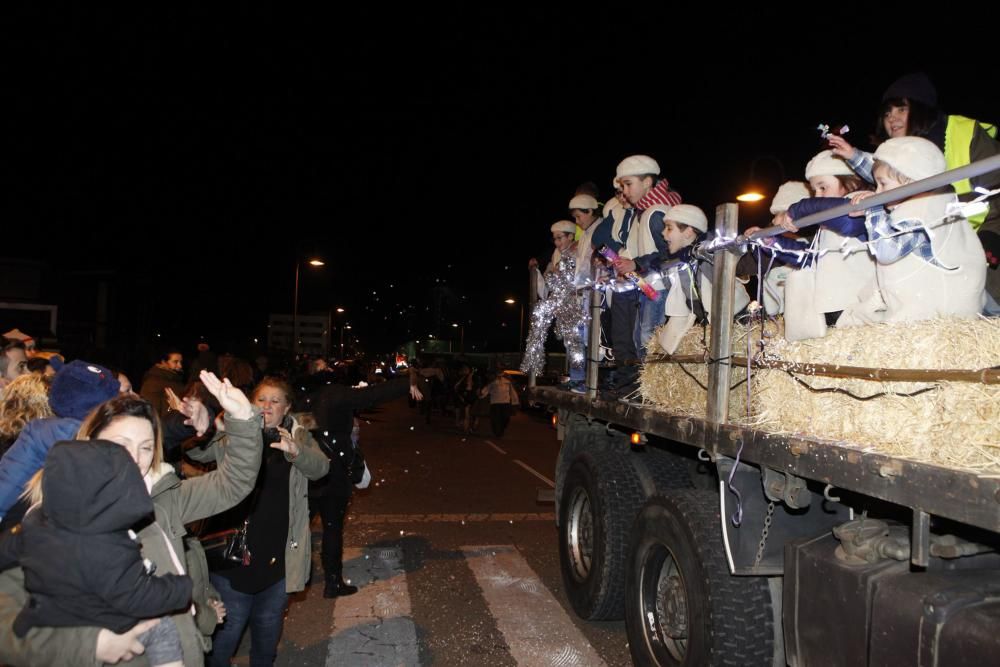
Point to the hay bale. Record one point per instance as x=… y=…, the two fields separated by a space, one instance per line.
x=955 y=424
x=672 y=387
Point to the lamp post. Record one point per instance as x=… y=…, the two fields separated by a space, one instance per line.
x=520 y=329
x=295 y=307
x=340 y=325
x=461 y=336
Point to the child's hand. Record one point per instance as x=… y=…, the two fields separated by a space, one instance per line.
x=784 y=221
x=859 y=196
x=840 y=147
x=624 y=266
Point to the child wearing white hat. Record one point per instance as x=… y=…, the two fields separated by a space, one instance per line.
x=930 y=262
x=844 y=268
x=561 y=305
x=684 y=227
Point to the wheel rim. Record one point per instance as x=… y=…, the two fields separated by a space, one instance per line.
x=580 y=534
x=664 y=603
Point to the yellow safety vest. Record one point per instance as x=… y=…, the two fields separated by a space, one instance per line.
x=957 y=141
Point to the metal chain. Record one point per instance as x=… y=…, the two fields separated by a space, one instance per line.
x=763 y=535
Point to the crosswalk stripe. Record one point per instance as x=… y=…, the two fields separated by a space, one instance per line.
x=374 y=627
x=535 y=626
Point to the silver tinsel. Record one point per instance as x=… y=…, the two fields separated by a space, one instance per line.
x=564 y=306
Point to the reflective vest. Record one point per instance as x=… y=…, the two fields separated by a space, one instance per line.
x=957 y=141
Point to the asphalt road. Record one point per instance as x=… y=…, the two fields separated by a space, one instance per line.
x=457 y=561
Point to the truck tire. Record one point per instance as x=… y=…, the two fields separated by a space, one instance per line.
x=682 y=606
x=600 y=497
x=659 y=470
x=581 y=436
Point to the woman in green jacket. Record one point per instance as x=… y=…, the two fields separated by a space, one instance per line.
x=133 y=424
x=277 y=558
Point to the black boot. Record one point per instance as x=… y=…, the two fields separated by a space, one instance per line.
x=335 y=587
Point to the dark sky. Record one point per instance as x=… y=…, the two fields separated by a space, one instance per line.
x=201 y=151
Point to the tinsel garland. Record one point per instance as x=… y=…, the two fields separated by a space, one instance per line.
x=564 y=307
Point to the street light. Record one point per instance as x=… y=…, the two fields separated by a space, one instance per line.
x=520 y=329
x=295 y=307
x=340 y=325
x=461 y=336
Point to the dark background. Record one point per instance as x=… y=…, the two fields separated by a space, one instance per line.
x=189 y=157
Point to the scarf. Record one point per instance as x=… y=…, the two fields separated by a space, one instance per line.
x=659 y=194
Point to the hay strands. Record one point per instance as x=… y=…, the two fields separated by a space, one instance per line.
x=982 y=376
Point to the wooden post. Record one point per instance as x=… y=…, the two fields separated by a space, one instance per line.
x=723 y=292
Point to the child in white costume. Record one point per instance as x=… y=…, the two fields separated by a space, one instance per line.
x=930 y=261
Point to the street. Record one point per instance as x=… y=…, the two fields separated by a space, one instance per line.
x=456 y=560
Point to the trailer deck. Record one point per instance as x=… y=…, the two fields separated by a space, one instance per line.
x=958 y=495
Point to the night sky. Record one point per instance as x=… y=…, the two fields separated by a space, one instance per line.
x=196 y=154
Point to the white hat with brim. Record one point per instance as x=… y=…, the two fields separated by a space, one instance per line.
x=583 y=203
x=827 y=164
x=788 y=193
x=564 y=226
x=635 y=165
x=689 y=215
x=913 y=157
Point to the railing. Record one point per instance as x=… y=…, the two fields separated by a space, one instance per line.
x=728 y=245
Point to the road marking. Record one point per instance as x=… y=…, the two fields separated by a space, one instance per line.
x=494 y=446
x=536 y=473
x=450 y=518
x=535 y=626
x=375 y=625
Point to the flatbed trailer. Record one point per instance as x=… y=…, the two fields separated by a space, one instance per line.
x=721 y=544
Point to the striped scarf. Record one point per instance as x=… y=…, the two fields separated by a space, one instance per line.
x=659 y=194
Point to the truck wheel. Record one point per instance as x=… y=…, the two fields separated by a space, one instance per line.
x=659 y=471
x=682 y=606
x=580 y=437
x=599 y=500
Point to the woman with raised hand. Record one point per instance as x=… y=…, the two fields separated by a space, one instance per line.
x=132 y=423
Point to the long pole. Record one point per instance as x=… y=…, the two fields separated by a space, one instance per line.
x=295 y=313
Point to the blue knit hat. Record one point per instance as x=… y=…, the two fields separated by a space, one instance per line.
x=79 y=387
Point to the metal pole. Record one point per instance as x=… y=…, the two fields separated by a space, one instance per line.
x=594 y=342
x=295 y=314
x=723 y=293
x=910 y=189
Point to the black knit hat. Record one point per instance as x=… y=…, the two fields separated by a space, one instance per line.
x=913 y=86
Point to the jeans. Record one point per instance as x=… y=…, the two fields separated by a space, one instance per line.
x=651 y=315
x=263 y=611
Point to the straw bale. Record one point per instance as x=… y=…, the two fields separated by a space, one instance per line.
x=955 y=424
x=667 y=385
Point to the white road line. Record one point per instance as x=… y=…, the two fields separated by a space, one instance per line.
x=494 y=446
x=535 y=626
x=374 y=626
x=536 y=473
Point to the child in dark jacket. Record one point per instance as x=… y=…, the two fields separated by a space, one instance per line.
x=82 y=564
